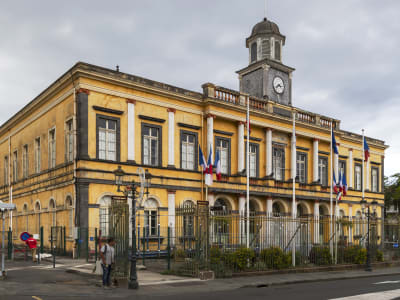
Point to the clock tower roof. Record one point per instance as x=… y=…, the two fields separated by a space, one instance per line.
x=265 y=27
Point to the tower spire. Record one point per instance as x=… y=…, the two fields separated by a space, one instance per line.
x=265 y=9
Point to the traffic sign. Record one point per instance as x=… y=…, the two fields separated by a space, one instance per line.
x=24 y=236
x=395 y=245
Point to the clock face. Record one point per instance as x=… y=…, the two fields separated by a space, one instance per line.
x=278 y=85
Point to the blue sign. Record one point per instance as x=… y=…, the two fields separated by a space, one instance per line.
x=91 y=239
x=24 y=236
x=396 y=245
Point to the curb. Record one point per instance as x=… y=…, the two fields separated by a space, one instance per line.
x=269 y=284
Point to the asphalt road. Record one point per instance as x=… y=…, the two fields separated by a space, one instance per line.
x=43 y=284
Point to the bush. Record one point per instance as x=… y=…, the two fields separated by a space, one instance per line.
x=379 y=256
x=242 y=258
x=178 y=254
x=320 y=256
x=274 y=258
x=355 y=255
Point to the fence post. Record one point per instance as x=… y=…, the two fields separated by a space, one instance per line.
x=65 y=242
x=41 y=239
x=79 y=242
x=159 y=240
x=95 y=244
x=144 y=243
x=169 y=249
x=87 y=244
x=9 y=246
x=52 y=247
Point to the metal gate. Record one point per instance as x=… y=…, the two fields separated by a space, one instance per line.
x=57 y=239
x=119 y=230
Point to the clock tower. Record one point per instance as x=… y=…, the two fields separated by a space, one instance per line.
x=266 y=77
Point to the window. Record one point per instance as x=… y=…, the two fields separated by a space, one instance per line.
x=151 y=145
x=37 y=155
x=188 y=219
x=342 y=167
x=107 y=135
x=25 y=162
x=253 y=158
x=301 y=166
x=323 y=170
x=104 y=215
x=52 y=148
x=357 y=177
x=374 y=179
x=188 y=150
x=278 y=162
x=150 y=217
x=266 y=49
x=15 y=166
x=6 y=176
x=37 y=212
x=52 y=210
x=223 y=145
x=253 y=52
x=69 y=141
x=277 y=50
x=358 y=222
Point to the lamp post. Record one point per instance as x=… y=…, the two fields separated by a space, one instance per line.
x=369 y=214
x=131 y=192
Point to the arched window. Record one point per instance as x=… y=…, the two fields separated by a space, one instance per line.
x=358 y=224
x=52 y=212
x=301 y=211
x=104 y=215
x=188 y=219
x=277 y=50
x=37 y=212
x=277 y=209
x=253 y=52
x=70 y=207
x=151 y=216
x=222 y=204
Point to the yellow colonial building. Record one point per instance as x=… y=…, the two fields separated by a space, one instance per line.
x=58 y=153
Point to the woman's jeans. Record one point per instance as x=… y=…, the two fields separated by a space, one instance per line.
x=106 y=274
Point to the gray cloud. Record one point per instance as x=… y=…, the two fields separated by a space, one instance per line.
x=345 y=51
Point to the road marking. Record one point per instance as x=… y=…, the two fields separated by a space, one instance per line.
x=387 y=282
x=386 y=295
x=37 y=298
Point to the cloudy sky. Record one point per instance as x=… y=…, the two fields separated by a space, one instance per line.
x=346 y=52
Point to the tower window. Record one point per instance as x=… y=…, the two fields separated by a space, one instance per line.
x=253 y=52
x=266 y=49
x=277 y=50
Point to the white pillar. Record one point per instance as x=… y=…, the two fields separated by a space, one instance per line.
x=211 y=200
x=131 y=130
x=315 y=160
x=350 y=227
x=171 y=137
x=293 y=159
x=268 y=150
x=269 y=234
x=368 y=177
x=171 y=213
x=240 y=147
x=269 y=207
x=242 y=224
x=210 y=137
x=350 y=169
x=316 y=222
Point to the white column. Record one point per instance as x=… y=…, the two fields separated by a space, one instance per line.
x=269 y=234
x=350 y=168
x=210 y=135
x=211 y=199
x=350 y=227
x=293 y=158
x=368 y=177
x=171 y=213
x=131 y=130
x=171 y=137
x=268 y=150
x=315 y=160
x=240 y=147
x=269 y=207
x=242 y=223
x=336 y=163
x=316 y=222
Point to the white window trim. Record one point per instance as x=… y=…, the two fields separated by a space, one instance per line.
x=38 y=155
x=66 y=141
x=50 y=155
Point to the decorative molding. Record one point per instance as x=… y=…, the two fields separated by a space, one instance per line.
x=343 y=156
x=253 y=138
x=86 y=91
x=194 y=127
x=108 y=110
x=302 y=148
x=210 y=116
x=148 y=118
x=131 y=101
x=324 y=152
x=171 y=110
x=223 y=132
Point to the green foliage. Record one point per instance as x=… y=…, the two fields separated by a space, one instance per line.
x=355 y=255
x=320 y=256
x=392 y=190
x=379 y=256
x=243 y=257
x=274 y=258
x=178 y=253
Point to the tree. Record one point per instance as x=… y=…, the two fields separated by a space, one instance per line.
x=392 y=191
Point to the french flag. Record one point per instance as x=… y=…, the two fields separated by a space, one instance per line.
x=335 y=187
x=366 y=150
x=341 y=181
x=217 y=164
x=202 y=160
x=334 y=147
x=344 y=185
x=209 y=170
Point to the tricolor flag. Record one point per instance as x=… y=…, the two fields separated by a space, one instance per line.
x=344 y=185
x=209 y=170
x=334 y=147
x=366 y=150
x=335 y=187
x=202 y=160
x=217 y=164
x=341 y=181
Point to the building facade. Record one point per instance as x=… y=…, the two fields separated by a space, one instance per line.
x=59 y=151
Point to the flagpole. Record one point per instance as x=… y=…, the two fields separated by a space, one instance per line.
x=248 y=176
x=294 y=188
x=362 y=176
x=331 y=193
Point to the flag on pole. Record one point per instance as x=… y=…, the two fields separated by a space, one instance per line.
x=217 y=165
x=202 y=160
x=341 y=181
x=344 y=185
x=209 y=170
x=366 y=150
x=335 y=187
x=334 y=147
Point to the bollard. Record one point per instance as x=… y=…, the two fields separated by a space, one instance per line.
x=169 y=249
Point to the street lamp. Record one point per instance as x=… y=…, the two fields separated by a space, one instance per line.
x=131 y=192
x=369 y=214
